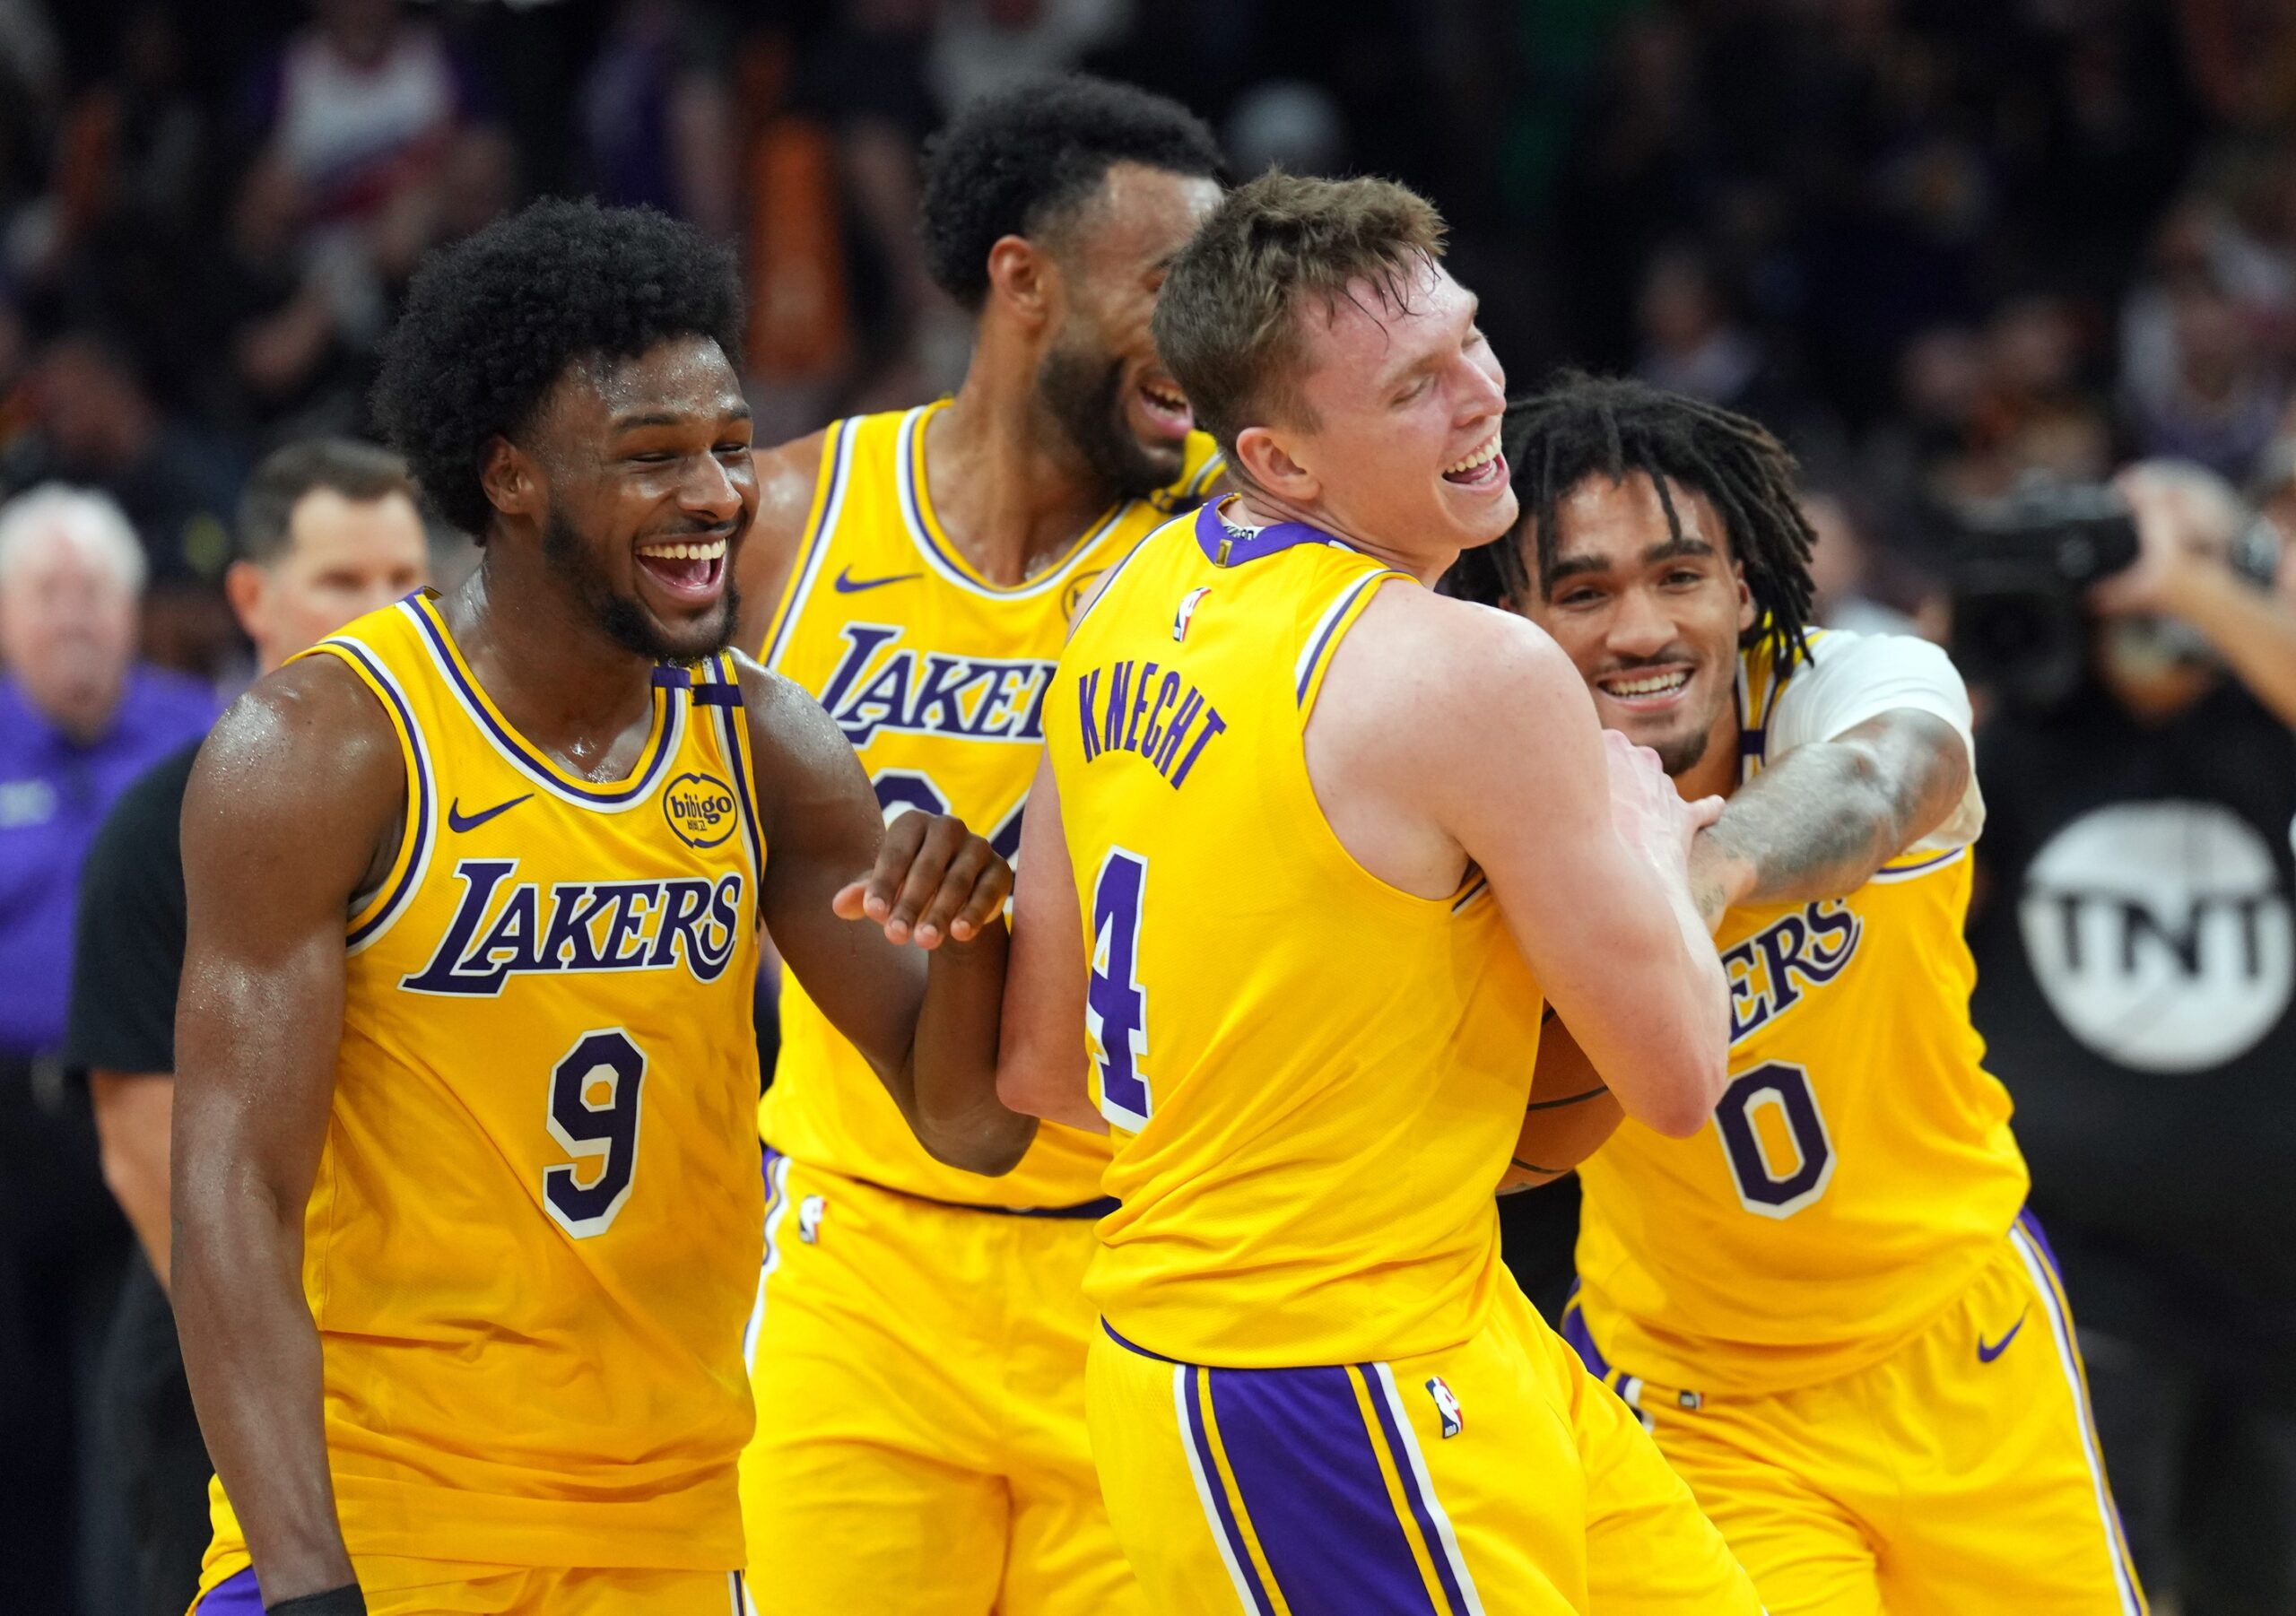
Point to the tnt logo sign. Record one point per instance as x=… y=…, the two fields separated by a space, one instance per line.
x=700 y=809
x=2160 y=934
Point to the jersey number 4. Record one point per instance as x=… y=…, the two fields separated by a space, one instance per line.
x=1116 y=1004
x=1781 y=1185
x=594 y=1115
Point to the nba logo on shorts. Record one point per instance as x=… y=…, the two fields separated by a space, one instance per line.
x=809 y=1218
x=1446 y=1405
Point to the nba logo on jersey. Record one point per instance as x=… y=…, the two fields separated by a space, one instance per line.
x=1186 y=613
x=809 y=1218
x=1447 y=1405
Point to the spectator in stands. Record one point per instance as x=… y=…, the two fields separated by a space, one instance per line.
x=95 y=423
x=327 y=531
x=2137 y=988
x=78 y=721
x=370 y=110
x=657 y=118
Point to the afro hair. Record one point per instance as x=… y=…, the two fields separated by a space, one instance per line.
x=493 y=322
x=1012 y=163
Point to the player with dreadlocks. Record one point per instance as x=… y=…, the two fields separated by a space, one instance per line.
x=1829 y=1305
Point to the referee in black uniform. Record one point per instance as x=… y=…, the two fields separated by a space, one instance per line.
x=327 y=531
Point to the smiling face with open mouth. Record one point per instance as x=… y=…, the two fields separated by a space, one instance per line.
x=1101 y=380
x=1651 y=617
x=652 y=492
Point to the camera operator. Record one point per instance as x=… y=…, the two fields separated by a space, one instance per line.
x=2137 y=952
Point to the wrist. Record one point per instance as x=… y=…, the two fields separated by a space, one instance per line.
x=1719 y=879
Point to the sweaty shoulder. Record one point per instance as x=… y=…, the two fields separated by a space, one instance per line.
x=306 y=755
x=786 y=478
x=801 y=753
x=1417 y=655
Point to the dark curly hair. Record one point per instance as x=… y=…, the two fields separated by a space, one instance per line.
x=1011 y=163
x=1580 y=425
x=493 y=322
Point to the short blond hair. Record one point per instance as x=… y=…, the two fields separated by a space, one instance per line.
x=1228 y=320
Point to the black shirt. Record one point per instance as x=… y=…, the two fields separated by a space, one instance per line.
x=127 y=946
x=2137 y=988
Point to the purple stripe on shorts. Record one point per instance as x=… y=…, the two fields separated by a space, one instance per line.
x=1582 y=1339
x=2032 y=1226
x=233 y=1596
x=1309 y=1479
x=1210 y=1465
x=1410 y=1480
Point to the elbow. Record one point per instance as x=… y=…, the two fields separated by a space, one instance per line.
x=990 y=1147
x=1683 y=1110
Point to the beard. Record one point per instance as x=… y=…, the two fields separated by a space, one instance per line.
x=622 y=618
x=1083 y=389
x=1679 y=756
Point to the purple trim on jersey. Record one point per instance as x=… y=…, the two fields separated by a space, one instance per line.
x=420 y=830
x=1132 y=1346
x=1946 y=857
x=426 y=616
x=834 y=455
x=1212 y=533
x=745 y=803
x=1208 y=1465
x=1409 y=1478
x=235 y=1595
x=1309 y=1479
x=1331 y=629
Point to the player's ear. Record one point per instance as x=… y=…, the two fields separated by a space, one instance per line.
x=512 y=480
x=1265 y=464
x=1746 y=596
x=1023 y=278
x=243 y=583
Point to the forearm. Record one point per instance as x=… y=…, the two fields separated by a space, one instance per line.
x=1816 y=825
x=251 y=1352
x=952 y=1059
x=2254 y=632
x=133 y=1114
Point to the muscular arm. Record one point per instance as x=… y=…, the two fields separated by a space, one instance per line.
x=1042 y=1066
x=925 y=1018
x=1820 y=820
x=785 y=487
x=294 y=793
x=1447 y=733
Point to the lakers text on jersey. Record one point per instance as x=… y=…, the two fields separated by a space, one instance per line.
x=937 y=677
x=1316 y=1387
x=533 y=1235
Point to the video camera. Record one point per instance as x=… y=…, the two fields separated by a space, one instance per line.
x=2019 y=568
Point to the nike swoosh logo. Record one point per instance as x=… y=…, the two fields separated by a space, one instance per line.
x=1986 y=1354
x=457 y=821
x=846 y=584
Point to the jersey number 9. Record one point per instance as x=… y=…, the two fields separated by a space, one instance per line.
x=594 y=1115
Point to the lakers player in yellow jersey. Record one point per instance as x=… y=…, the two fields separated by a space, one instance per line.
x=466 y=1203
x=919 y=569
x=1312 y=847
x=1827 y=1302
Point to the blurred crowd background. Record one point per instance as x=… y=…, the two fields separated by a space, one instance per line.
x=1938 y=245
x=1929 y=240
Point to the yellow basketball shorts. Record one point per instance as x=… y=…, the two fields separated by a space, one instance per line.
x=919 y=1378
x=437 y=1587
x=1457 y=1483
x=1960 y=1474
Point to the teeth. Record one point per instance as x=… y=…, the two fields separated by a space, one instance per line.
x=1481 y=457
x=1657 y=684
x=1170 y=401
x=712 y=551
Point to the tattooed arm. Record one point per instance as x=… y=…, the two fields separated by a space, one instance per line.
x=1820 y=821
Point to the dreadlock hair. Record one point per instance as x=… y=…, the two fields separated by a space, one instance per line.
x=1581 y=426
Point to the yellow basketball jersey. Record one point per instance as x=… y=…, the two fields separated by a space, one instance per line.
x=533 y=1238
x=937 y=677
x=1313 y=1077
x=1860 y=1170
